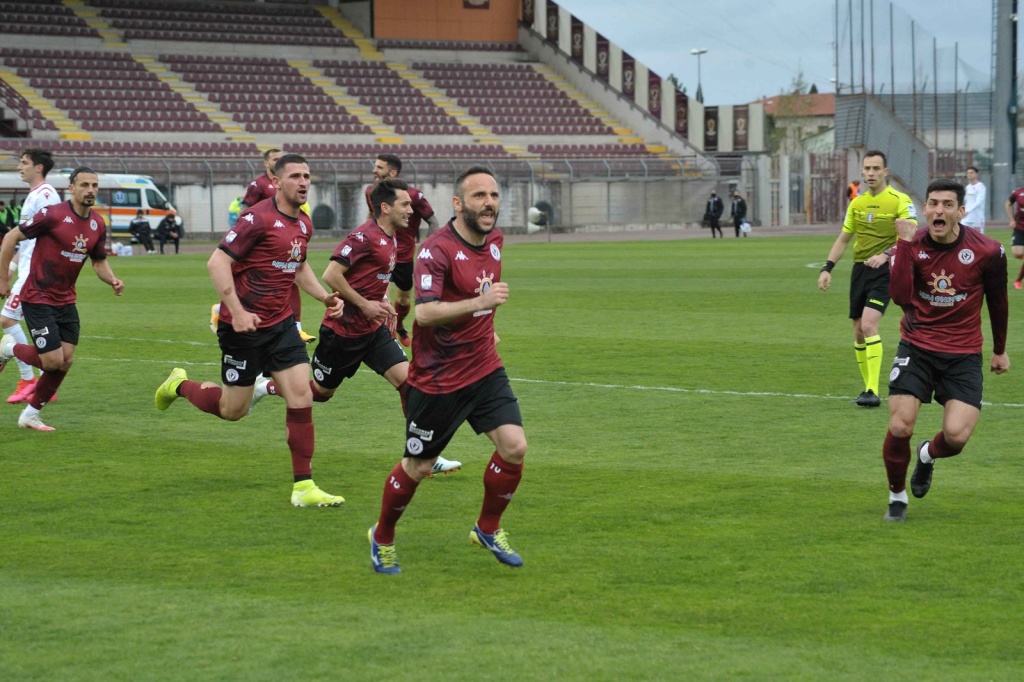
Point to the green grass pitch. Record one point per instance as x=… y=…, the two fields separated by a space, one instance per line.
x=701 y=500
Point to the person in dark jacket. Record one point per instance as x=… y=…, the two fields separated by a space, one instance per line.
x=140 y=229
x=713 y=212
x=169 y=229
x=738 y=212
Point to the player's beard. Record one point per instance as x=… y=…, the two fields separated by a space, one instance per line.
x=470 y=218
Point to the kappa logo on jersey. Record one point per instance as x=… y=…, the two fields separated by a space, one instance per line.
x=68 y=219
x=461 y=256
x=253 y=184
x=383 y=242
x=425 y=253
x=359 y=236
x=278 y=223
x=426 y=281
x=966 y=256
x=250 y=218
x=495 y=252
x=921 y=255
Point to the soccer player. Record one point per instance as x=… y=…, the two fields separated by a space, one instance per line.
x=261 y=188
x=254 y=267
x=390 y=166
x=1015 y=214
x=939 y=277
x=871 y=218
x=66 y=234
x=360 y=271
x=33 y=166
x=456 y=374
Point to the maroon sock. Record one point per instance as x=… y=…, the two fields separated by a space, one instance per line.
x=46 y=387
x=896 y=453
x=298 y=422
x=206 y=399
x=28 y=354
x=318 y=397
x=398 y=492
x=295 y=301
x=402 y=309
x=940 y=448
x=403 y=391
x=500 y=482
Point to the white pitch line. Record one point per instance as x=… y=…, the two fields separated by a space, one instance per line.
x=571 y=384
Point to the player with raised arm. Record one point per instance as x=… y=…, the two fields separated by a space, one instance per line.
x=941 y=277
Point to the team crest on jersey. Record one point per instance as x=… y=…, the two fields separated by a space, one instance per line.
x=296 y=251
x=870 y=217
x=966 y=256
x=495 y=252
x=943 y=284
x=92 y=225
x=484 y=281
x=80 y=244
x=302 y=226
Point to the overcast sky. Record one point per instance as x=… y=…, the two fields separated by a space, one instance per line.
x=757 y=48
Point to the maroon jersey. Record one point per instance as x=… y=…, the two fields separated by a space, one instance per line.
x=941 y=286
x=268 y=247
x=369 y=254
x=259 y=189
x=1017 y=206
x=63 y=241
x=451 y=356
x=421 y=211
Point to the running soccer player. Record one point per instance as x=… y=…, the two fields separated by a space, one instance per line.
x=390 y=166
x=360 y=271
x=66 y=234
x=871 y=219
x=253 y=269
x=261 y=188
x=456 y=374
x=940 y=277
x=33 y=166
x=1015 y=214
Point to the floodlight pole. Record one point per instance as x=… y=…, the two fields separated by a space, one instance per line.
x=697 y=52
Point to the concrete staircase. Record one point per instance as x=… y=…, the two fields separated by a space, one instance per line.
x=365 y=46
x=111 y=37
x=384 y=133
x=67 y=128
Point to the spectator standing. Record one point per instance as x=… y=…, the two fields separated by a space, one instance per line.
x=143 y=233
x=6 y=218
x=738 y=212
x=853 y=190
x=169 y=230
x=234 y=210
x=66 y=235
x=974 y=201
x=713 y=213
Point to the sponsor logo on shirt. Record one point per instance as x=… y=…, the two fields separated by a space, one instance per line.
x=943 y=294
x=79 y=248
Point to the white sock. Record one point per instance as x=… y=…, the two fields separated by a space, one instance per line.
x=923 y=454
x=29 y=411
x=24 y=369
x=899 y=497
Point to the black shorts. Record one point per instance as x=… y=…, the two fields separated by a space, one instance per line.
x=1017 y=238
x=337 y=358
x=246 y=356
x=869 y=288
x=920 y=373
x=432 y=420
x=49 y=325
x=402 y=276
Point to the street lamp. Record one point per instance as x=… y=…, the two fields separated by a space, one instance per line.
x=698 y=51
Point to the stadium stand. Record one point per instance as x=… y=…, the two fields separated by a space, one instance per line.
x=107 y=91
x=43 y=17
x=453 y=45
x=11 y=99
